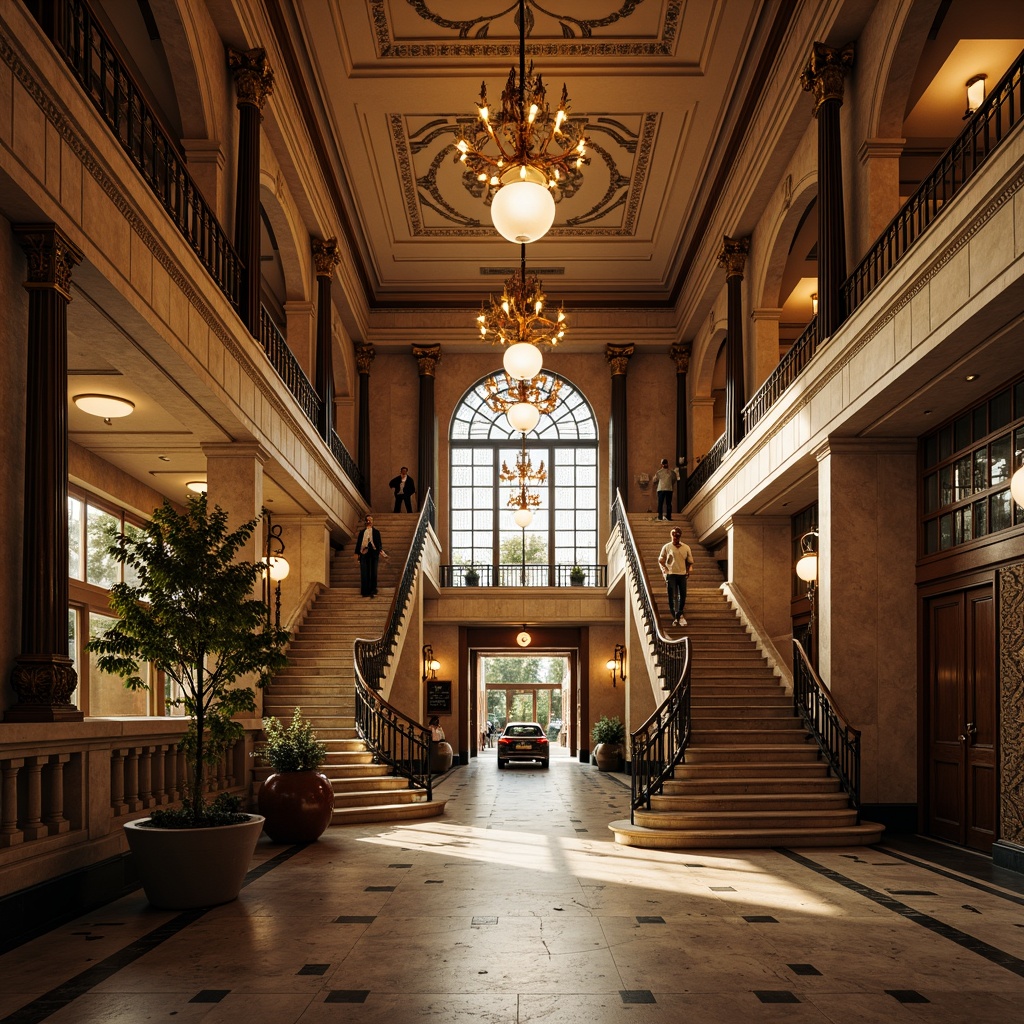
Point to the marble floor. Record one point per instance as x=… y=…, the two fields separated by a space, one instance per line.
x=517 y=907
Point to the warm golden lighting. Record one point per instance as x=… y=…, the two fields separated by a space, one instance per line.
x=539 y=392
x=197 y=486
x=524 y=475
x=975 y=94
x=107 y=407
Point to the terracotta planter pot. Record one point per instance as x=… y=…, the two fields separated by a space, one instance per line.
x=441 y=755
x=181 y=868
x=297 y=805
x=608 y=756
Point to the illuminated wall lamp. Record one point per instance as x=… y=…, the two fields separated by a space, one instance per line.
x=430 y=663
x=975 y=94
x=616 y=664
x=107 y=407
x=814 y=303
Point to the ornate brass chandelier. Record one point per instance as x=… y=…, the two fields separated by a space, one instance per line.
x=522 y=401
x=537 y=153
x=525 y=501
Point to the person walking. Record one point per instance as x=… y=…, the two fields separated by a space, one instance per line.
x=368 y=551
x=665 y=482
x=676 y=561
x=404 y=489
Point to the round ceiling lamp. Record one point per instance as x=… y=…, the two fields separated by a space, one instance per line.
x=523 y=517
x=522 y=361
x=278 y=567
x=107 y=407
x=523 y=208
x=523 y=417
x=197 y=486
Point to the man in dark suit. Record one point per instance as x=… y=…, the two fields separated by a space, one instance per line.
x=404 y=489
x=368 y=551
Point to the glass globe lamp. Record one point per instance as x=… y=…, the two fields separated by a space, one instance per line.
x=523 y=208
x=523 y=417
x=522 y=361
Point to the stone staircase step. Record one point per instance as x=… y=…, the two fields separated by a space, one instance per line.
x=778 y=803
x=628 y=834
x=388 y=812
x=373 y=797
x=767 y=819
x=365 y=785
x=739 y=737
x=776 y=753
x=696 y=785
x=735 y=769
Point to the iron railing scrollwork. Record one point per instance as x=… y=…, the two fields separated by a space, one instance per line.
x=660 y=743
x=705 y=469
x=94 y=61
x=837 y=740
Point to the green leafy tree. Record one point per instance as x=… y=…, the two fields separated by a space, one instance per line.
x=511 y=550
x=189 y=611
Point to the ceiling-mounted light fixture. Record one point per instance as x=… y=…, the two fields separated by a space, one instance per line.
x=522 y=401
x=107 y=407
x=524 y=475
x=197 y=486
x=538 y=152
x=975 y=94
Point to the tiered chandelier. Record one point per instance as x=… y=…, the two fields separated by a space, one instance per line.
x=538 y=153
x=522 y=401
x=524 y=475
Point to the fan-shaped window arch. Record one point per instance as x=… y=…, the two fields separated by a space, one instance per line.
x=563 y=532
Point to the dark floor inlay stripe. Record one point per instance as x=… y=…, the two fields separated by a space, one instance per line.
x=355 y=919
x=380 y=888
x=760 y=919
x=347 y=995
x=991 y=953
x=906 y=995
x=653 y=919
x=911 y=892
x=314 y=969
x=776 y=996
x=210 y=995
x=637 y=995
x=805 y=970
x=961 y=878
x=434 y=881
x=399 y=865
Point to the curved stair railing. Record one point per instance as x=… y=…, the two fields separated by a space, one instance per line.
x=838 y=741
x=393 y=737
x=660 y=743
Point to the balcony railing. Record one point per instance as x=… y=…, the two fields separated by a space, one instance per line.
x=706 y=468
x=532 y=574
x=287 y=366
x=792 y=365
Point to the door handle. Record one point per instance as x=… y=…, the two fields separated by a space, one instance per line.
x=969 y=733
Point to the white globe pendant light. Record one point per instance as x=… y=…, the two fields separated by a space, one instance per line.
x=523 y=417
x=1017 y=486
x=523 y=517
x=523 y=208
x=522 y=361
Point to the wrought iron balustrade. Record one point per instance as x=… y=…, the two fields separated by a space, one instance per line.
x=706 y=468
x=791 y=366
x=516 y=574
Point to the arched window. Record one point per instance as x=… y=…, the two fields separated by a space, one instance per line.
x=563 y=532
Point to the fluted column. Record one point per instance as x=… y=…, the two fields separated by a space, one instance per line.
x=680 y=354
x=618 y=359
x=733 y=258
x=824 y=77
x=364 y=360
x=427 y=356
x=325 y=259
x=254 y=82
x=44 y=677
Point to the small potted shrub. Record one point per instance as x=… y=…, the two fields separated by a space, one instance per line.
x=576 y=576
x=609 y=735
x=296 y=799
x=472 y=577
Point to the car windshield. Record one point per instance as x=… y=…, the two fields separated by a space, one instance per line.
x=523 y=730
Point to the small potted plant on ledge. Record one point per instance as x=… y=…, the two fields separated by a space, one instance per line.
x=189 y=613
x=297 y=800
x=608 y=735
x=576 y=576
x=472 y=577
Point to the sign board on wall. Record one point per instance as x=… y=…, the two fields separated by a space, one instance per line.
x=439 y=697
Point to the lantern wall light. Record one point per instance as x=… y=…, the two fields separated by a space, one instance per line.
x=616 y=664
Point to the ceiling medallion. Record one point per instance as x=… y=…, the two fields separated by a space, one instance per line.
x=537 y=152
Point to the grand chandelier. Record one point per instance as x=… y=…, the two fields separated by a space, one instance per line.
x=517 y=320
x=522 y=401
x=523 y=476
x=524 y=153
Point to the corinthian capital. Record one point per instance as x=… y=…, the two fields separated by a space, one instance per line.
x=254 y=81
x=618 y=358
x=428 y=356
x=51 y=257
x=680 y=353
x=733 y=257
x=826 y=71
x=325 y=256
x=364 y=358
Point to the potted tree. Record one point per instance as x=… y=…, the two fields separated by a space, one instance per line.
x=576 y=576
x=609 y=735
x=296 y=800
x=472 y=577
x=189 y=612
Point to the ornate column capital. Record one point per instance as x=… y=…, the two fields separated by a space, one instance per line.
x=825 y=73
x=364 y=357
x=680 y=353
x=325 y=256
x=617 y=357
x=51 y=257
x=254 y=81
x=733 y=257
x=428 y=356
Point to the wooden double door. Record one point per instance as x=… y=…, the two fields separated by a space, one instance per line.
x=962 y=720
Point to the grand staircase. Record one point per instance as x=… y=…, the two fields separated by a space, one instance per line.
x=320 y=679
x=752 y=775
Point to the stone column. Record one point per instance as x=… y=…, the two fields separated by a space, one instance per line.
x=44 y=677
x=234 y=481
x=364 y=360
x=427 y=356
x=325 y=259
x=618 y=357
x=867 y=632
x=733 y=258
x=824 y=76
x=702 y=429
x=254 y=82
x=680 y=353
x=765 y=343
x=879 y=188
x=300 y=333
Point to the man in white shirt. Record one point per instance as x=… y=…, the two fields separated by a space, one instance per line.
x=664 y=483
x=676 y=561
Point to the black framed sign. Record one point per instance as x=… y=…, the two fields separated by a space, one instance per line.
x=439 y=697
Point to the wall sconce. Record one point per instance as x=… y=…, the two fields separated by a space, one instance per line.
x=277 y=569
x=616 y=664
x=807 y=566
x=430 y=664
x=975 y=94
x=814 y=303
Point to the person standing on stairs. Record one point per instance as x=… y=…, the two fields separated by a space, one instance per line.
x=664 y=483
x=404 y=489
x=676 y=561
x=368 y=551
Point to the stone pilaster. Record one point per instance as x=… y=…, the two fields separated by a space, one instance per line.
x=618 y=357
x=325 y=260
x=427 y=357
x=733 y=259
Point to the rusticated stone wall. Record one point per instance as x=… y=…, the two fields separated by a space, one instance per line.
x=1011 y=703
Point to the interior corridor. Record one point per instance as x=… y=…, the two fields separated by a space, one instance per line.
x=516 y=907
